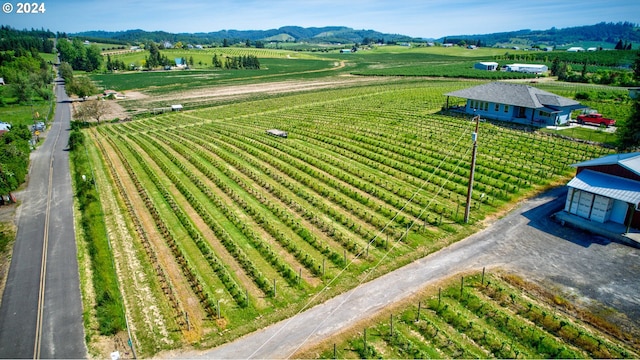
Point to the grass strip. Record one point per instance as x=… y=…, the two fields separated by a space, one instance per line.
x=109 y=305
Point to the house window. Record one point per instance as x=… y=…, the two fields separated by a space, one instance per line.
x=496 y=107
x=543 y=113
x=506 y=108
x=485 y=106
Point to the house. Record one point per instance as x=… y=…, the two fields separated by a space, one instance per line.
x=176 y=107
x=518 y=103
x=527 y=68
x=607 y=190
x=486 y=65
x=575 y=49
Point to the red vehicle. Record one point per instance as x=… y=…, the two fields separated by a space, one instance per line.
x=595 y=119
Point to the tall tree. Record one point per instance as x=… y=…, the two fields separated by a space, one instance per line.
x=82 y=86
x=92 y=109
x=154 y=59
x=93 y=58
x=629 y=131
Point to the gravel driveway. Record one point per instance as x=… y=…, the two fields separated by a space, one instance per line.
x=525 y=241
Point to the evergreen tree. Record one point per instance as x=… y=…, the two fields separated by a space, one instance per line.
x=153 y=60
x=555 y=66
x=629 y=131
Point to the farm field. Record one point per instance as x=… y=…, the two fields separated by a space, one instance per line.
x=228 y=229
x=481 y=316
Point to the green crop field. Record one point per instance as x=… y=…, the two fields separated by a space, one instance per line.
x=218 y=229
x=248 y=228
x=483 y=317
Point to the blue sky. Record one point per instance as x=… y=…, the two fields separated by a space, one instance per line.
x=418 y=18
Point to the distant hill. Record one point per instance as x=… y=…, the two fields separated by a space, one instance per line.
x=602 y=33
x=609 y=33
x=331 y=34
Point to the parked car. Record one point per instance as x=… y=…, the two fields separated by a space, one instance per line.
x=38 y=126
x=595 y=119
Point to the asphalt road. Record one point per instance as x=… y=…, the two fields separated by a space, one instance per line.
x=525 y=241
x=41 y=312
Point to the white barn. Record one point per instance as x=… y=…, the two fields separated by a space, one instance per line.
x=527 y=68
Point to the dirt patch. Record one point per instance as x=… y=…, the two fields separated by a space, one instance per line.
x=141 y=101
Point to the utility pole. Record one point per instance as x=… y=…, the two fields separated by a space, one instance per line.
x=474 y=138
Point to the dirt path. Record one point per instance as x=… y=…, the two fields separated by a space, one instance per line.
x=525 y=241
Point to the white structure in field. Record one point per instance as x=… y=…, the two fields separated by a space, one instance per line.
x=527 y=68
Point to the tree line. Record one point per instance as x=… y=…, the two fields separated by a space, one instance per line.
x=11 y=39
x=249 y=62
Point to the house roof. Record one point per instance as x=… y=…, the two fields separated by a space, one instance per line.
x=607 y=185
x=629 y=161
x=516 y=95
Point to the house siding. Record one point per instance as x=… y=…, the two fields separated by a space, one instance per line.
x=601 y=208
x=613 y=169
x=513 y=113
x=525 y=104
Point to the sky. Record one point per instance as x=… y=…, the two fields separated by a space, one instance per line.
x=416 y=18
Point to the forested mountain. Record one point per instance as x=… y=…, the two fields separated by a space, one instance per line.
x=603 y=32
x=336 y=34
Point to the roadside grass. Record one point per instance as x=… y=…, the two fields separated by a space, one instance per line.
x=27 y=114
x=109 y=306
x=480 y=315
x=7 y=236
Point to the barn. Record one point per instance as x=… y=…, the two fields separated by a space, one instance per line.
x=527 y=68
x=607 y=190
x=486 y=65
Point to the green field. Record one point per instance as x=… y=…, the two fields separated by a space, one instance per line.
x=371 y=174
x=487 y=317
x=225 y=229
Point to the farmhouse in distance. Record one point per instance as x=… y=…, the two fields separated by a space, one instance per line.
x=517 y=103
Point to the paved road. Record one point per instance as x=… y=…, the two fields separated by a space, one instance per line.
x=41 y=316
x=525 y=241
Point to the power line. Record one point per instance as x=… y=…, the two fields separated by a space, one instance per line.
x=357 y=256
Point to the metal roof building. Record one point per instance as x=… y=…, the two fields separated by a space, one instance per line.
x=607 y=189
